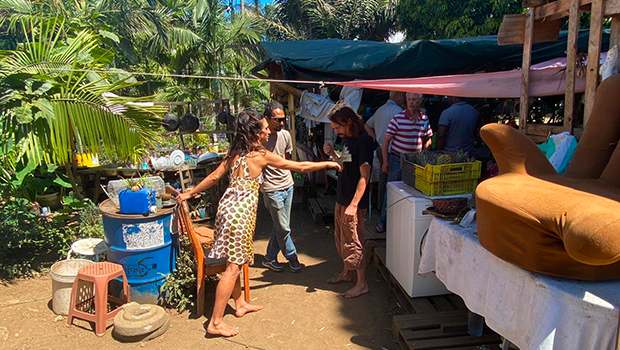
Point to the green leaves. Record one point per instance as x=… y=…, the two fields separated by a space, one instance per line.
x=65 y=104
x=445 y=19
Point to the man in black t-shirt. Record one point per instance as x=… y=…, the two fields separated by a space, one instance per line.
x=352 y=194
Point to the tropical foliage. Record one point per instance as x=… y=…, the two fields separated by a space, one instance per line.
x=441 y=19
x=343 y=19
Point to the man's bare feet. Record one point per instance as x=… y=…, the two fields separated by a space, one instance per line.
x=340 y=277
x=356 y=291
x=247 y=308
x=222 y=329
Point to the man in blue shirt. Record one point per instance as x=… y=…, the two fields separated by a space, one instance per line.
x=457 y=127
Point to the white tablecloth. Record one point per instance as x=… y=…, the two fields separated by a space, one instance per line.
x=531 y=310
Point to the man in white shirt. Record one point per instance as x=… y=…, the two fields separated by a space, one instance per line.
x=277 y=189
x=376 y=127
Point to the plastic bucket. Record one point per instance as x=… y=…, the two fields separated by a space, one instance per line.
x=63 y=274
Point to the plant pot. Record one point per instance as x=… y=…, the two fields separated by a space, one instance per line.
x=51 y=200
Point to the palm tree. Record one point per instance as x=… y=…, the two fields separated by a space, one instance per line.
x=57 y=99
x=343 y=19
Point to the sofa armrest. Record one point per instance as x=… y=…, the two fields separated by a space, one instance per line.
x=515 y=152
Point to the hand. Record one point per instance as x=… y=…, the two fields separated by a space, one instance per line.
x=334 y=165
x=350 y=214
x=183 y=197
x=385 y=168
x=328 y=149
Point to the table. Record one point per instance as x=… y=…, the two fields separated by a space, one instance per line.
x=533 y=311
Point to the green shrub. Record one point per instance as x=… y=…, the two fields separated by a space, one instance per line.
x=29 y=240
x=179 y=289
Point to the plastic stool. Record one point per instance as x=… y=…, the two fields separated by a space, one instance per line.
x=100 y=274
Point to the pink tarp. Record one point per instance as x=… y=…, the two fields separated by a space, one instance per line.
x=546 y=79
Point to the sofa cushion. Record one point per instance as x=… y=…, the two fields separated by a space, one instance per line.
x=551 y=224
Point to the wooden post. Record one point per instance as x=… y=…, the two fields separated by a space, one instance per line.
x=524 y=108
x=594 y=54
x=291 y=111
x=571 y=59
x=614 y=38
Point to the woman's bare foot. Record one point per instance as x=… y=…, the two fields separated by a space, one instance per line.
x=222 y=329
x=246 y=308
x=356 y=291
x=340 y=277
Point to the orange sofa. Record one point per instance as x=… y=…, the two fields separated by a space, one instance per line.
x=560 y=225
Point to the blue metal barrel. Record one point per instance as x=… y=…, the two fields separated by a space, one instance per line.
x=146 y=247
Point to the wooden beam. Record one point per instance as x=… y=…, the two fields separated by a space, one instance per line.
x=594 y=54
x=533 y=3
x=571 y=59
x=525 y=74
x=561 y=8
x=283 y=86
x=291 y=111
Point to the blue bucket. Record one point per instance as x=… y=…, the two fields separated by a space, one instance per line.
x=146 y=247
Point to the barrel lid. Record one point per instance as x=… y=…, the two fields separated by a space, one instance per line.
x=108 y=209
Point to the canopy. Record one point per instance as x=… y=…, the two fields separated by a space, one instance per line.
x=546 y=79
x=344 y=60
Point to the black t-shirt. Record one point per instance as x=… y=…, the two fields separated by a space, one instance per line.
x=357 y=151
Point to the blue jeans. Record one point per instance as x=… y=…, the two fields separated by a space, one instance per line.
x=395 y=174
x=279 y=205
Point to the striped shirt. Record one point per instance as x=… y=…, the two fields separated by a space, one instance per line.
x=408 y=137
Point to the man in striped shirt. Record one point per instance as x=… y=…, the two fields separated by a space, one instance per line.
x=408 y=132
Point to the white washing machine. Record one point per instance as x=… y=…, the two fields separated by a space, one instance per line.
x=406 y=226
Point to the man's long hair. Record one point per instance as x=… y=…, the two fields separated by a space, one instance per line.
x=248 y=125
x=342 y=112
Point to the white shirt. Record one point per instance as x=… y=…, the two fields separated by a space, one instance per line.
x=381 y=119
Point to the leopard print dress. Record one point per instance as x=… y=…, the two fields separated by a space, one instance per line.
x=235 y=221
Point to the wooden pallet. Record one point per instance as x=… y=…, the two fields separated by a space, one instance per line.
x=322 y=208
x=437 y=322
x=440 y=330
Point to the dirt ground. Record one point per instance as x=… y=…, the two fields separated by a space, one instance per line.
x=301 y=311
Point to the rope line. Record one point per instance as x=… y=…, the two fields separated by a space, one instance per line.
x=166 y=75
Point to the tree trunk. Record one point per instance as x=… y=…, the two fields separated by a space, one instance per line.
x=74 y=185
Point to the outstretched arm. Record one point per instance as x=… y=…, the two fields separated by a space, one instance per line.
x=276 y=161
x=209 y=181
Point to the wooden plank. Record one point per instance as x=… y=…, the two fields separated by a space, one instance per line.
x=594 y=53
x=614 y=38
x=450 y=342
x=291 y=112
x=457 y=301
x=409 y=335
x=436 y=315
x=543 y=130
x=561 y=8
x=422 y=305
x=315 y=210
x=525 y=74
x=533 y=3
x=442 y=304
x=327 y=204
x=571 y=59
x=512 y=30
x=454 y=326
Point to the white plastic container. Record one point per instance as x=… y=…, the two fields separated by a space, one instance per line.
x=63 y=274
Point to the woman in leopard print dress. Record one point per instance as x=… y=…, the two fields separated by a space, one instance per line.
x=236 y=214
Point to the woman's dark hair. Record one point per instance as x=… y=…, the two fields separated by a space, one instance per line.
x=341 y=112
x=270 y=107
x=247 y=127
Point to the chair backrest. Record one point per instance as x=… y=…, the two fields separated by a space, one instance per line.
x=597 y=155
x=186 y=227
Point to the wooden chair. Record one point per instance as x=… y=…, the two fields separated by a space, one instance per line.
x=201 y=239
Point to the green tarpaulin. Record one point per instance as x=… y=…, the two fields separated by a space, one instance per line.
x=344 y=60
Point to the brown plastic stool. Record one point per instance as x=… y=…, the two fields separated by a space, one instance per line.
x=100 y=274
